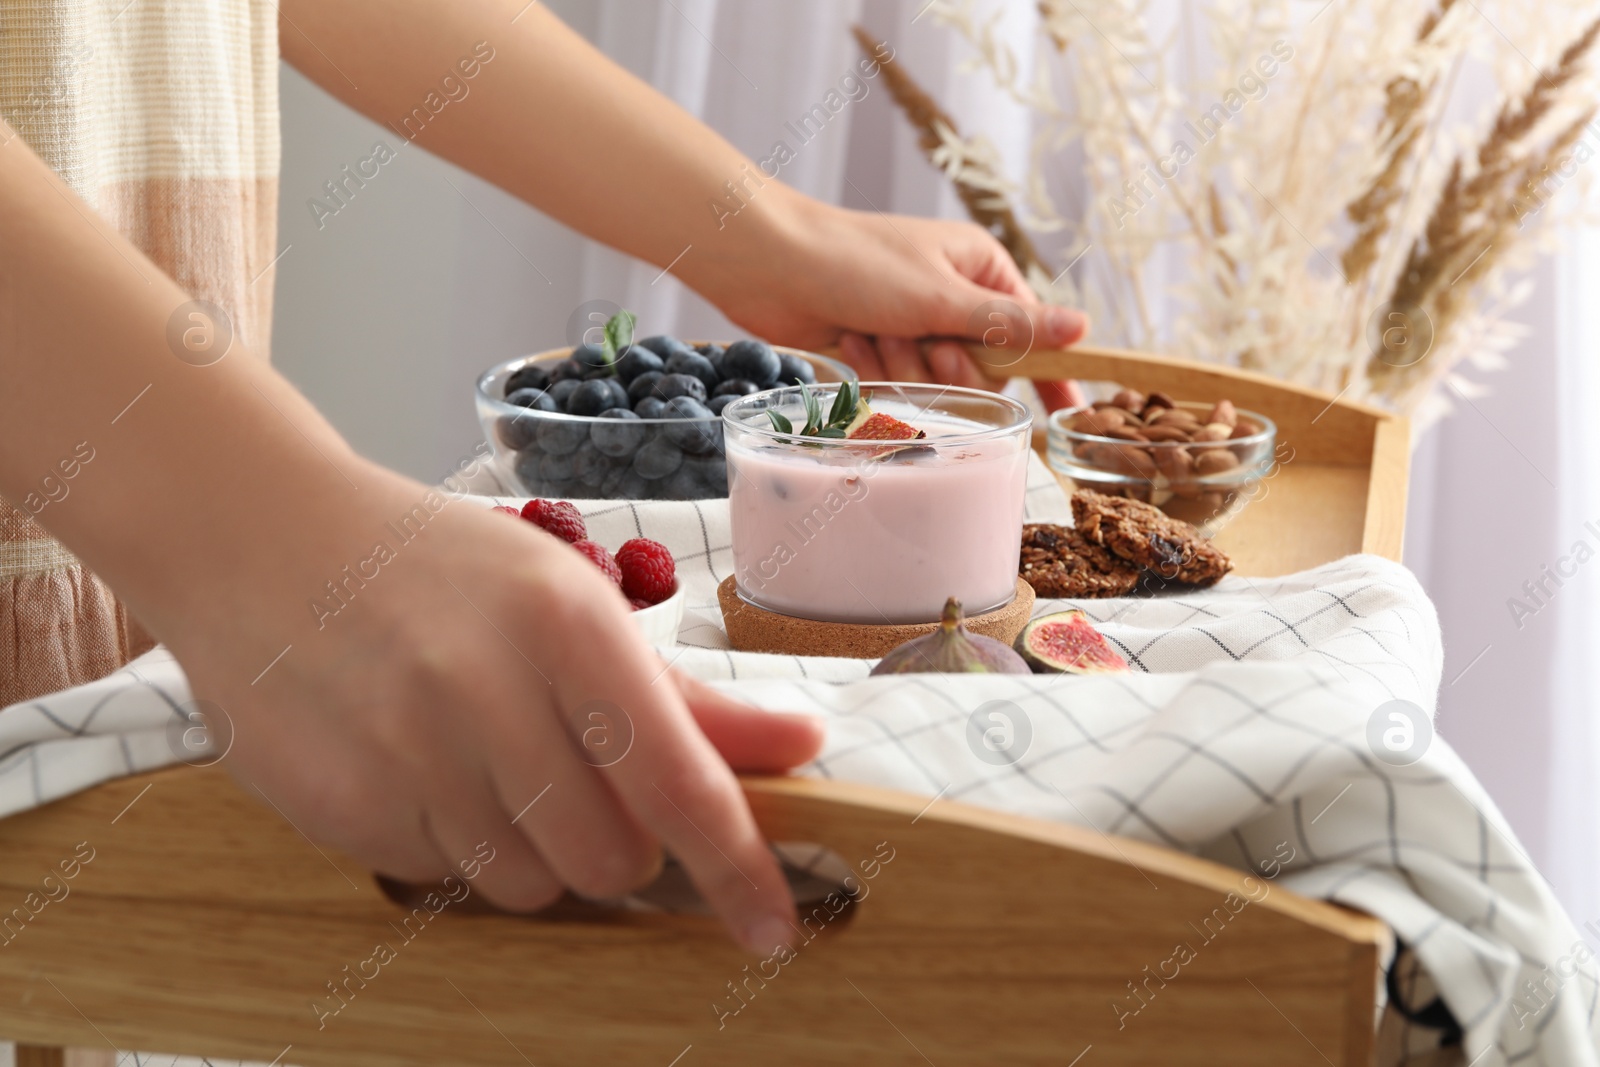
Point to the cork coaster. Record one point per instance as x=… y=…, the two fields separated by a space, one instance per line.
x=753 y=629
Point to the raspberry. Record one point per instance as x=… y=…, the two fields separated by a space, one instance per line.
x=502 y=509
x=638 y=604
x=600 y=558
x=557 y=517
x=648 y=572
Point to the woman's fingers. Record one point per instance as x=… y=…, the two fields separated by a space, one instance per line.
x=752 y=740
x=952 y=363
x=903 y=360
x=548 y=785
x=474 y=836
x=672 y=782
x=862 y=355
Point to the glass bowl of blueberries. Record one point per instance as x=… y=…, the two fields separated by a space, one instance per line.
x=629 y=420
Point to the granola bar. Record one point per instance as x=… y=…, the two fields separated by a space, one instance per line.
x=1058 y=562
x=1147 y=537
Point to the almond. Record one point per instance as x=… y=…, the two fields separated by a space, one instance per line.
x=1126 y=459
x=1175 y=463
x=1246 y=428
x=1128 y=433
x=1129 y=400
x=1158 y=400
x=1100 y=423
x=1175 y=417
x=1225 y=413
x=1213 y=431
x=1165 y=432
x=1214 y=461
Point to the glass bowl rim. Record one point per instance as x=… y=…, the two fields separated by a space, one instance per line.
x=1059 y=430
x=553 y=355
x=1020 y=426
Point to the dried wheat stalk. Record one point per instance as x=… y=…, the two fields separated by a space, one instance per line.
x=1285 y=228
x=1474 y=213
x=983 y=200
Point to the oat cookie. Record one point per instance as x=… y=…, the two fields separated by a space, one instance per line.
x=1058 y=562
x=1147 y=537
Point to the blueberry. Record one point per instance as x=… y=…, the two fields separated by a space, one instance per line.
x=664 y=345
x=566 y=369
x=605 y=374
x=736 y=387
x=717 y=403
x=619 y=394
x=613 y=433
x=635 y=361
x=590 y=358
x=591 y=465
x=795 y=370
x=712 y=472
x=527 y=469
x=710 y=349
x=676 y=385
x=684 y=484
x=624 y=484
x=532 y=376
x=644 y=385
x=754 y=361
x=591 y=398
x=537 y=399
x=558 y=468
x=696 y=366
x=516 y=431
x=561 y=437
x=651 y=407
x=691 y=433
x=561 y=390
x=657 y=461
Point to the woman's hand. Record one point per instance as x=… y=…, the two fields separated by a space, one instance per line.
x=485 y=684
x=873 y=284
x=784 y=266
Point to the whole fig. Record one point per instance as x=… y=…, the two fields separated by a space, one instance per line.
x=952 y=650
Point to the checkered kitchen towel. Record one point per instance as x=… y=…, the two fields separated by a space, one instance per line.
x=1257 y=729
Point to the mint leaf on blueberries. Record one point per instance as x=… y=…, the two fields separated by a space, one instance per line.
x=618 y=334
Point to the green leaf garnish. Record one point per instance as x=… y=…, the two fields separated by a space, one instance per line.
x=845 y=402
x=846 y=405
x=813 y=411
x=618 y=334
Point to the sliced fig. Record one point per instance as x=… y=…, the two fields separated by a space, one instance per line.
x=877 y=426
x=952 y=650
x=1066 y=642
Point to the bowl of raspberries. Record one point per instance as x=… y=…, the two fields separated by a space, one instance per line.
x=629 y=420
x=643 y=569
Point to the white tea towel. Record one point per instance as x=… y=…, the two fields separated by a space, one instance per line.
x=1245 y=734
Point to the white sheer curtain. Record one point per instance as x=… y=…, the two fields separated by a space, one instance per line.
x=1574 y=800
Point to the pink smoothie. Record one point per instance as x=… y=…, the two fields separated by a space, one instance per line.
x=839 y=536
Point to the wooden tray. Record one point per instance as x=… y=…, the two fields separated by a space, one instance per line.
x=207 y=925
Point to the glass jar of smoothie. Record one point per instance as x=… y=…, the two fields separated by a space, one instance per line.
x=840 y=530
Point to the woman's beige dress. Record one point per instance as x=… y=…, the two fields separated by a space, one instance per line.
x=163 y=116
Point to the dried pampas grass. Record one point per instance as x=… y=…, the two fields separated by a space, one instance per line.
x=1319 y=182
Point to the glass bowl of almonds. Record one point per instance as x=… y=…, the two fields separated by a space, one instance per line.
x=1199 y=462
